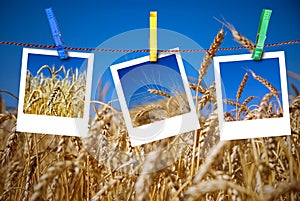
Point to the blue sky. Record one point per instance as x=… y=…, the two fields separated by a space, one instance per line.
x=90 y=23
x=36 y=61
x=232 y=74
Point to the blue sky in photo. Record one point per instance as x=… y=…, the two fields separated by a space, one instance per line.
x=36 y=61
x=232 y=74
x=91 y=23
x=163 y=75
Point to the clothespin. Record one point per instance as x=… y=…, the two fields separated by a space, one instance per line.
x=261 y=35
x=56 y=34
x=153 y=36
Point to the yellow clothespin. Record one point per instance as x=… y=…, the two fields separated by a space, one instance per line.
x=153 y=36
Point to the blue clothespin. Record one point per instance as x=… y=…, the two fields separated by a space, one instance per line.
x=56 y=34
x=262 y=34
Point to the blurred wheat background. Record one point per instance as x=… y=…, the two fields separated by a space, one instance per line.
x=190 y=166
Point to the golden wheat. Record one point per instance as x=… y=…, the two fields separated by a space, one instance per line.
x=104 y=166
x=265 y=109
x=241 y=87
x=50 y=96
x=147 y=114
x=210 y=54
x=245 y=42
x=196 y=88
x=159 y=92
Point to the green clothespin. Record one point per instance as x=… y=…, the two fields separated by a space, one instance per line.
x=261 y=35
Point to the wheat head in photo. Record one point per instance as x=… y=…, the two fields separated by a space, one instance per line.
x=266 y=108
x=104 y=166
x=169 y=107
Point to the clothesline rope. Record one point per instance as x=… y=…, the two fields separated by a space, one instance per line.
x=137 y=50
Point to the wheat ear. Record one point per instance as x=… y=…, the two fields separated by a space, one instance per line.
x=62 y=145
x=210 y=54
x=243 y=107
x=12 y=177
x=233 y=103
x=241 y=87
x=142 y=114
x=196 y=88
x=52 y=99
x=264 y=82
x=263 y=105
x=245 y=42
x=267 y=84
x=5 y=117
x=240 y=91
x=228 y=116
x=159 y=92
x=10 y=148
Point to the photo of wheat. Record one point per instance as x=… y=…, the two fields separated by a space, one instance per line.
x=154 y=92
x=54 y=89
x=254 y=92
x=191 y=166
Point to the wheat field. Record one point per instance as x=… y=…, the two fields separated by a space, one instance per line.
x=55 y=95
x=191 y=166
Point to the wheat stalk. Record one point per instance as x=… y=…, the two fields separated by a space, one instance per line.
x=209 y=55
x=2 y=104
x=11 y=179
x=28 y=179
x=240 y=91
x=97 y=196
x=10 y=147
x=209 y=160
x=152 y=162
x=46 y=178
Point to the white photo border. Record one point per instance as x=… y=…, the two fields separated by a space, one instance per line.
x=253 y=128
x=164 y=128
x=54 y=125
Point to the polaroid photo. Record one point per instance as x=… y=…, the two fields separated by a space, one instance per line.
x=155 y=98
x=252 y=96
x=54 y=94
